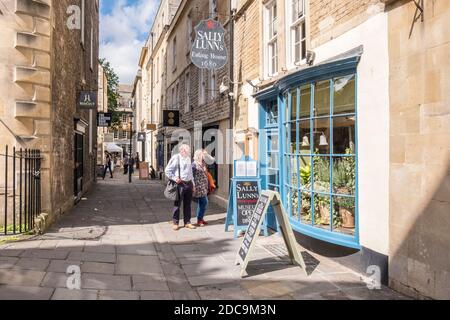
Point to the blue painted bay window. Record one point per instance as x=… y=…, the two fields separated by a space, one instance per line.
x=315 y=163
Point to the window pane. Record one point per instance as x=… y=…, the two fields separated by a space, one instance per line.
x=344 y=175
x=305 y=172
x=305 y=101
x=273 y=141
x=344 y=215
x=321 y=174
x=272 y=113
x=306 y=209
x=322 y=213
x=344 y=95
x=273 y=176
x=344 y=135
x=287 y=129
x=294 y=148
x=294 y=172
x=322 y=136
x=305 y=136
x=273 y=160
x=294 y=105
x=322 y=98
x=295 y=213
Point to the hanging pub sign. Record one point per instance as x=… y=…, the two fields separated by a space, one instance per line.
x=142 y=137
x=171 y=118
x=104 y=120
x=209 y=50
x=87 y=100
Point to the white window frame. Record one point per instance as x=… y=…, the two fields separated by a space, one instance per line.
x=271 y=39
x=291 y=25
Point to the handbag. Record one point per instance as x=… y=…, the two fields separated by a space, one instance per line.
x=171 y=192
x=211 y=183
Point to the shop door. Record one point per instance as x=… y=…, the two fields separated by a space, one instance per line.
x=270 y=154
x=212 y=139
x=79 y=164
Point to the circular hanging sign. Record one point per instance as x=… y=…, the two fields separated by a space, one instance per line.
x=209 y=50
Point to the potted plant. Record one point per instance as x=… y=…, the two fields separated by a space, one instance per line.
x=346 y=207
x=344 y=180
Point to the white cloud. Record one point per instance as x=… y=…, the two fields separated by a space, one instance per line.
x=122 y=35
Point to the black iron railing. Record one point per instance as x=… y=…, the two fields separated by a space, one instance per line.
x=20 y=187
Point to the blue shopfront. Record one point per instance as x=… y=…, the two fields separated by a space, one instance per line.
x=309 y=149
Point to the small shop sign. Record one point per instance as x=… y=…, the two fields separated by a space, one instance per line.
x=266 y=199
x=87 y=100
x=245 y=191
x=104 y=120
x=209 y=50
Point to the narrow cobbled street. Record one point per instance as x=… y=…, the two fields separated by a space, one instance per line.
x=121 y=239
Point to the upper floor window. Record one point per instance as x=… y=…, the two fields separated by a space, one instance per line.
x=213 y=9
x=187 y=107
x=271 y=34
x=297 y=33
x=174 y=54
x=189 y=30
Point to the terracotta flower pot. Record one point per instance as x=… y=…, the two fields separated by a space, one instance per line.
x=324 y=215
x=348 y=218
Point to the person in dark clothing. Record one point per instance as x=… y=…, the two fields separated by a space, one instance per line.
x=152 y=173
x=108 y=165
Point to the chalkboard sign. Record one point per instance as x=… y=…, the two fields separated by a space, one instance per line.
x=244 y=195
x=247 y=194
x=274 y=199
x=254 y=226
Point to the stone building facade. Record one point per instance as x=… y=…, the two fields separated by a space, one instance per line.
x=153 y=66
x=195 y=92
x=102 y=106
x=419 y=183
x=401 y=99
x=43 y=66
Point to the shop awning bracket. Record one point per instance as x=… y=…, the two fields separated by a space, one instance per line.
x=419 y=14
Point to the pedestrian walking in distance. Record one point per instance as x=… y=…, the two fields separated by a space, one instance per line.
x=126 y=162
x=199 y=170
x=179 y=169
x=108 y=165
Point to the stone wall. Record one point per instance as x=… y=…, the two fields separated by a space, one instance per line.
x=331 y=18
x=420 y=144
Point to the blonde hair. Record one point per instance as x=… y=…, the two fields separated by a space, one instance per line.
x=198 y=156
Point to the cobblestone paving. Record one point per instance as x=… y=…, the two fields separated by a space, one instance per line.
x=121 y=239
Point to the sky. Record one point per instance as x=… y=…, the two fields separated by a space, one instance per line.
x=124 y=27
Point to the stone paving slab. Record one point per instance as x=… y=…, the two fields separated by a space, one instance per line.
x=32 y=264
x=21 y=277
x=137 y=265
x=93 y=257
x=156 y=295
x=105 y=282
x=25 y=293
x=66 y=294
x=155 y=282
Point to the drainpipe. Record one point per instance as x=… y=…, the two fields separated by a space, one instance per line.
x=231 y=97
